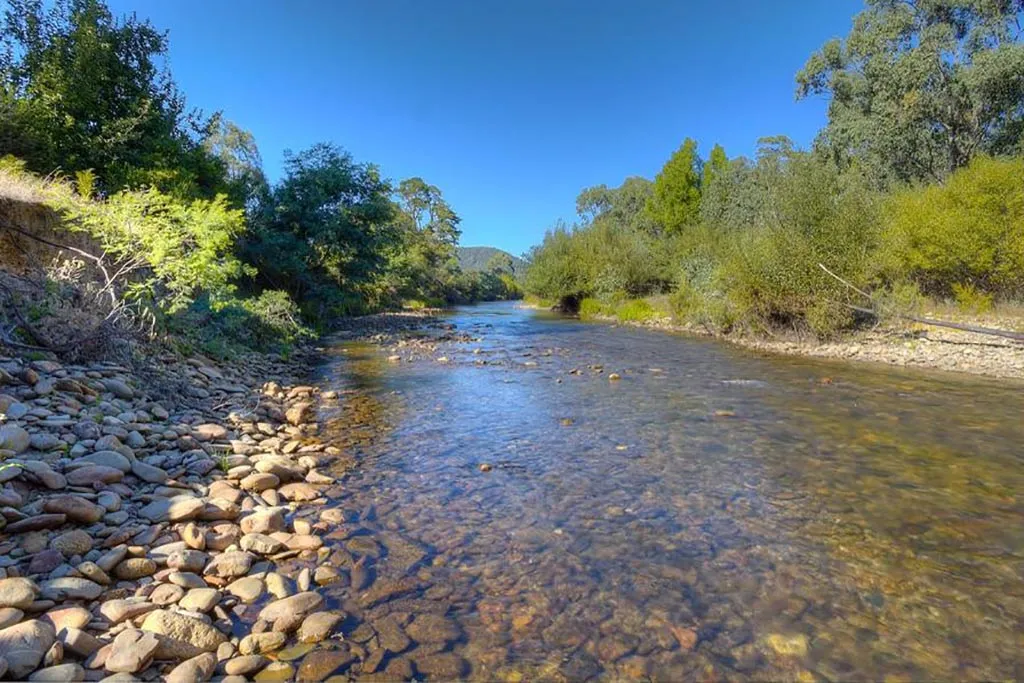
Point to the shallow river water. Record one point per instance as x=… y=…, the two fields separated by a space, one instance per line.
x=714 y=514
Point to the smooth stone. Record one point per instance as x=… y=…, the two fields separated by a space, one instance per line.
x=149 y=473
x=72 y=543
x=94 y=474
x=111 y=459
x=318 y=626
x=246 y=664
x=135 y=568
x=75 y=508
x=18 y=593
x=299 y=604
x=187 y=560
x=433 y=628
x=179 y=509
x=70 y=588
x=230 y=565
x=320 y=664
x=67 y=617
x=132 y=651
x=59 y=673
x=199 y=668
x=23 y=645
x=260 y=643
x=36 y=523
x=276 y=671
x=185 y=628
x=9 y=616
x=248 y=589
x=261 y=544
x=200 y=599
x=92 y=571
x=116 y=611
x=14 y=438
x=79 y=642
x=444 y=666
x=263 y=521
x=166 y=594
x=45 y=561
x=299 y=492
x=118 y=388
x=186 y=580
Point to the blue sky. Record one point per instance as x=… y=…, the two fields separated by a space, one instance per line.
x=509 y=107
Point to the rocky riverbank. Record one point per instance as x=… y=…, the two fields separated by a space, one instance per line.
x=179 y=539
x=918 y=346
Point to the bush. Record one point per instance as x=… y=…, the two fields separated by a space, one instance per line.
x=591 y=308
x=635 y=310
x=967 y=232
x=268 y=322
x=969 y=299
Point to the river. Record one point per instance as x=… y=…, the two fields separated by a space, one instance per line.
x=711 y=514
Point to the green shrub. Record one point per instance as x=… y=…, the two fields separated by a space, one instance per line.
x=968 y=231
x=969 y=299
x=635 y=310
x=591 y=308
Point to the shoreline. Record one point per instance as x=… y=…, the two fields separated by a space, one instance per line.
x=144 y=537
x=918 y=346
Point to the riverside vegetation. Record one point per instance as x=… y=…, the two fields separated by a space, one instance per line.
x=912 y=194
x=179 y=501
x=167 y=504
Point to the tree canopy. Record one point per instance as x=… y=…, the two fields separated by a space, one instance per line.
x=919 y=87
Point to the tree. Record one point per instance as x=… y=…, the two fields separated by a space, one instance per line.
x=920 y=86
x=324 y=233
x=717 y=164
x=83 y=90
x=675 y=202
x=624 y=206
x=500 y=264
x=236 y=150
x=428 y=210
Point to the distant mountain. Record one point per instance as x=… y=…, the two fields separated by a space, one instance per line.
x=476 y=258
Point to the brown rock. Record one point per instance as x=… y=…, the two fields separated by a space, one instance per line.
x=75 y=508
x=94 y=474
x=132 y=651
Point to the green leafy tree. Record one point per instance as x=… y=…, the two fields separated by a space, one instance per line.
x=236 y=150
x=716 y=165
x=675 y=201
x=82 y=90
x=324 y=232
x=920 y=86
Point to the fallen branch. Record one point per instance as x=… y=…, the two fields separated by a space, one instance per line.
x=977 y=329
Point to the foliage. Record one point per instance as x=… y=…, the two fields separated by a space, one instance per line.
x=324 y=231
x=635 y=310
x=968 y=231
x=81 y=90
x=675 y=200
x=158 y=249
x=919 y=87
x=479 y=258
x=969 y=299
x=591 y=308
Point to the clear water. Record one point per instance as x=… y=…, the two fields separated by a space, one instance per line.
x=713 y=514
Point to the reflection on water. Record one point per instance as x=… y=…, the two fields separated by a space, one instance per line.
x=714 y=514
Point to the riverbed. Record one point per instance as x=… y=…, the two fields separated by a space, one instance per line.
x=582 y=501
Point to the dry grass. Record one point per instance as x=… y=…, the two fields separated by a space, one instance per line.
x=19 y=187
